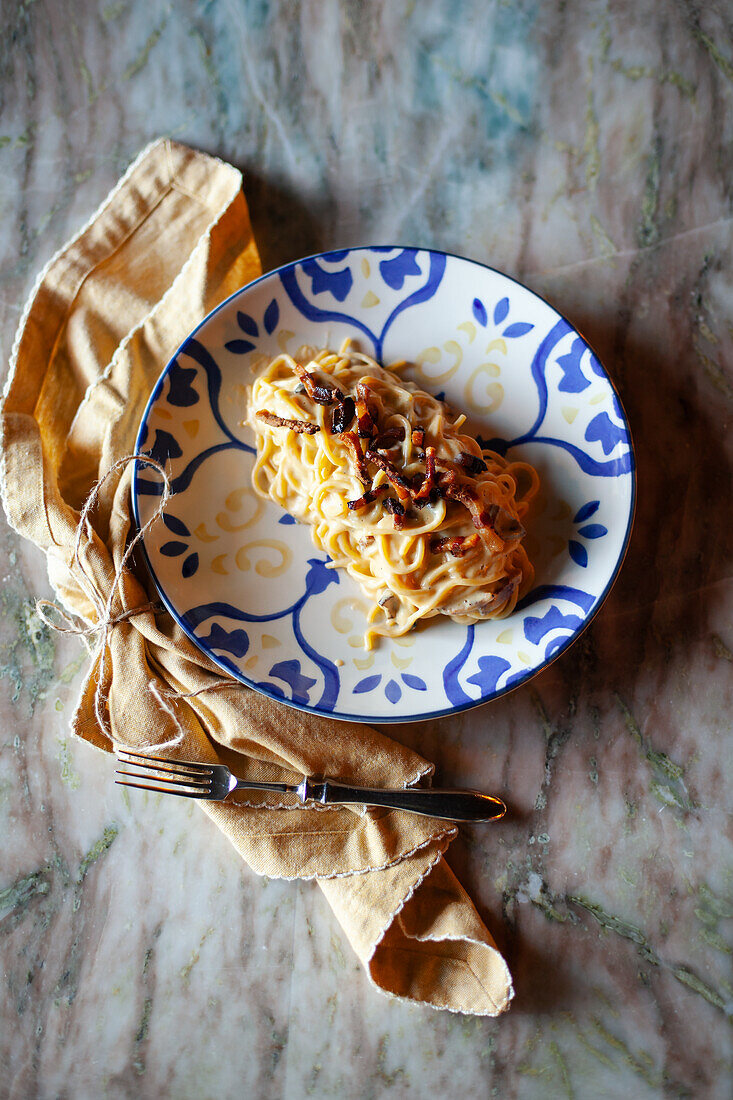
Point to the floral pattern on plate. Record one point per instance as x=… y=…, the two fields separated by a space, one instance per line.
x=245 y=582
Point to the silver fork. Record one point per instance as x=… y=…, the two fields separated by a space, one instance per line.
x=216 y=782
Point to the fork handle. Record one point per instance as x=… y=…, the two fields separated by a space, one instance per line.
x=451 y=805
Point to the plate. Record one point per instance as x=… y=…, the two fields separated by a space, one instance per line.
x=245 y=581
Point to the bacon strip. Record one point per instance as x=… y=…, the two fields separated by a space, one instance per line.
x=471 y=463
x=367 y=426
x=429 y=483
x=353 y=444
x=458 y=545
x=368 y=498
x=342 y=416
x=447 y=466
x=299 y=426
x=395 y=478
x=483 y=519
x=322 y=395
x=397 y=510
x=389 y=439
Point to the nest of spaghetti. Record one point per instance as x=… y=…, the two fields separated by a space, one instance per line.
x=419 y=514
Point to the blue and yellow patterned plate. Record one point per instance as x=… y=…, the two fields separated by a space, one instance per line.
x=246 y=583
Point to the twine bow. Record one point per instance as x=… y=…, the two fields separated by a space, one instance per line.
x=105 y=619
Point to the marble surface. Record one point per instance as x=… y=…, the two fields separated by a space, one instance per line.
x=586 y=149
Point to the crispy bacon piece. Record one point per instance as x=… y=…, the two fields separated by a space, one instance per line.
x=299 y=426
x=423 y=493
x=501 y=522
x=342 y=415
x=368 y=498
x=364 y=394
x=365 y=415
x=389 y=438
x=395 y=478
x=322 y=395
x=471 y=463
x=353 y=444
x=482 y=518
x=458 y=545
x=450 y=487
x=397 y=511
x=433 y=498
x=418 y=437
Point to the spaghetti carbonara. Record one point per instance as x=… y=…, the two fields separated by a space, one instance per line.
x=424 y=520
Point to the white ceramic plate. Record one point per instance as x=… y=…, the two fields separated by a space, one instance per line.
x=246 y=583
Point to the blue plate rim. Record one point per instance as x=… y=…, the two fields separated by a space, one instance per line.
x=386 y=719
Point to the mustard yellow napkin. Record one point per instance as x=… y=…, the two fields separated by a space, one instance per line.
x=170 y=242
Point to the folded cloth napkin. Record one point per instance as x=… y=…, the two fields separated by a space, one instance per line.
x=171 y=241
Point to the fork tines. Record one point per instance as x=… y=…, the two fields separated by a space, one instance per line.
x=192 y=780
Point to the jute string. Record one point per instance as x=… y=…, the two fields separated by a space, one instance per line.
x=105 y=618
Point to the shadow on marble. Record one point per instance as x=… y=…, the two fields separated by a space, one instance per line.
x=285 y=227
x=685 y=486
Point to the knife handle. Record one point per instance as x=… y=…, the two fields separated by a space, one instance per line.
x=451 y=805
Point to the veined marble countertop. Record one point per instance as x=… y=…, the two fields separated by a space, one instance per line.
x=585 y=148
